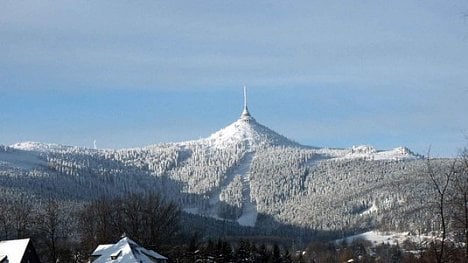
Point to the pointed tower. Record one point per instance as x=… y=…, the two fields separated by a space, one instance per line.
x=245 y=113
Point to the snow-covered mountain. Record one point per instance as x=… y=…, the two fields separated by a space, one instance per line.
x=244 y=172
x=40 y=147
x=253 y=135
x=248 y=132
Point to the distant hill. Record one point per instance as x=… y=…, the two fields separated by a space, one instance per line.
x=244 y=173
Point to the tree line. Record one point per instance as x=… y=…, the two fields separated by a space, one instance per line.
x=69 y=232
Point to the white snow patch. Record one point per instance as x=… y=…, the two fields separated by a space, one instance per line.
x=391 y=238
x=249 y=215
x=247 y=131
x=368 y=153
x=249 y=208
x=41 y=147
x=370 y=210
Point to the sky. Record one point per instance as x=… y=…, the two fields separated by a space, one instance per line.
x=323 y=73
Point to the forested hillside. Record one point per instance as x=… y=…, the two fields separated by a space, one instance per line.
x=244 y=172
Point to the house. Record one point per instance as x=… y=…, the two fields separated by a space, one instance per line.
x=125 y=251
x=18 y=251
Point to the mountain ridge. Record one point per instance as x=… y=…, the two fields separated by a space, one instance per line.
x=253 y=135
x=244 y=173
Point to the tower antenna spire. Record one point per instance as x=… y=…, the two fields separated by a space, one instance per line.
x=245 y=98
x=245 y=113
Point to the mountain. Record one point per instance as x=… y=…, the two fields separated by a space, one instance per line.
x=249 y=132
x=40 y=147
x=244 y=173
x=253 y=135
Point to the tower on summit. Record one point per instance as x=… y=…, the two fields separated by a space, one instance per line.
x=245 y=113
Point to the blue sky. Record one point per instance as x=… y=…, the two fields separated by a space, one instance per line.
x=324 y=73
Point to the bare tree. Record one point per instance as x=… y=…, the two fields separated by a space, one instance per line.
x=5 y=220
x=97 y=223
x=460 y=199
x=147 y=218
x=130 y=209
x=162 y=219
x=53 y=229
x=440 y=178
x=21 y=216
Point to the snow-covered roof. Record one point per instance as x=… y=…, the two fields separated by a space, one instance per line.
x=100 y=248
x=125 y=251
x=13 y=250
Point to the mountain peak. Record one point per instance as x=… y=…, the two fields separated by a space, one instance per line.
x=246 y=130
x=40 y=147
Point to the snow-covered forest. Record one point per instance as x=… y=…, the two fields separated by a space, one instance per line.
x=245 y=165
x=243 y=180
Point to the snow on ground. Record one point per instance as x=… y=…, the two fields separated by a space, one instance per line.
x=249 y=209
x=391 y=238
x=377 y=238
x=239 y=131
x=370 y=210
x=249 y=215
x=40 y=147
x=241 y=169
x=369 y=153
x=247 y=131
